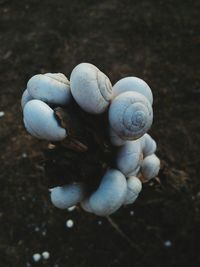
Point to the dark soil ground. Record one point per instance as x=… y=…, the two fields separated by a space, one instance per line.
x=154 y=40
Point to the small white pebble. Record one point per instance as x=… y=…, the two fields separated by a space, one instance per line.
x=132 y=212
x=69 y=223
x=28 y=264
x=24 y=155
x=167 y=243
x=51 y=146
x=45 y=255
x=44 y=233
x=99 y=222
x=71 y=208
x=2 y=113
x=36 y=257
x=37 y=229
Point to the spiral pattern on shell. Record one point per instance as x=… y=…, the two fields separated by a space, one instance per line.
x=91 y=88
x=104 y=85
x=130 y=115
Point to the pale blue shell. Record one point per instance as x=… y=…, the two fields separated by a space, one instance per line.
x=129 y=157
x=130 y=115
x=66 y=196
x=52 y=88
x=91 y=88
x=40 y=121
x=109 y=196
x=150 y=167
x=25 y=98
x=134 y=186
x=133 y=84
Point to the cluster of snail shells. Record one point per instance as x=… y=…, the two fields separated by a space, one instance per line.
x=130 y=115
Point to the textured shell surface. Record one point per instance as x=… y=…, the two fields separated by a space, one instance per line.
x=134 y=187
x=150 y=167
x=129 y=157
x=52 y=88
x=25 y=98
x=110 y=194
x=136 y=171
x=115 y=139
x=40 y=121
x=66 y=196
x=91 y=88
x=130 y=115
x=60 y=77
x=148 y=145
x=133 y=84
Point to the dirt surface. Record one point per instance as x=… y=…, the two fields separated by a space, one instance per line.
x=154 y=40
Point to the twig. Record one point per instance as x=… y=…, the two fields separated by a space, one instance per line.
x=122 y=234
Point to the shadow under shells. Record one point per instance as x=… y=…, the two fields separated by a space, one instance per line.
x=86 y=153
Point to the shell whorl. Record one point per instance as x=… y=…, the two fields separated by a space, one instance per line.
x=60 y=77
x=104 y=85
x=130 y=115
x=25 y=98
x=51 y=88
x=133 y=84
x=91 y=88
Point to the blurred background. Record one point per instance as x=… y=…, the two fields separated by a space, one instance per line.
x=155 y=40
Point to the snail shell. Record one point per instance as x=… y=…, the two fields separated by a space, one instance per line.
x=129 y=158
x=66 y=196
x=86 y=205
x=52 y=88
x=91 y=88
x=110 y=194
x=40 y=121
x=133 y=84
x=25 y=98
x=148 y=145
x=115 y=139
x=150 y=167
x=130 y=115
x=134 y=186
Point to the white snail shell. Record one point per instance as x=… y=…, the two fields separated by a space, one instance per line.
x=86 y=205
x=110 y=194
x=134 y=186
x=150 y=167
x=40 y=121
x=25 y=98
x=91 y=88
x=66 y=196
x=148 y=145
x=52 y=88
x=115 y=139
x=133 y=84
x=129 y=157
x=130 y=115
